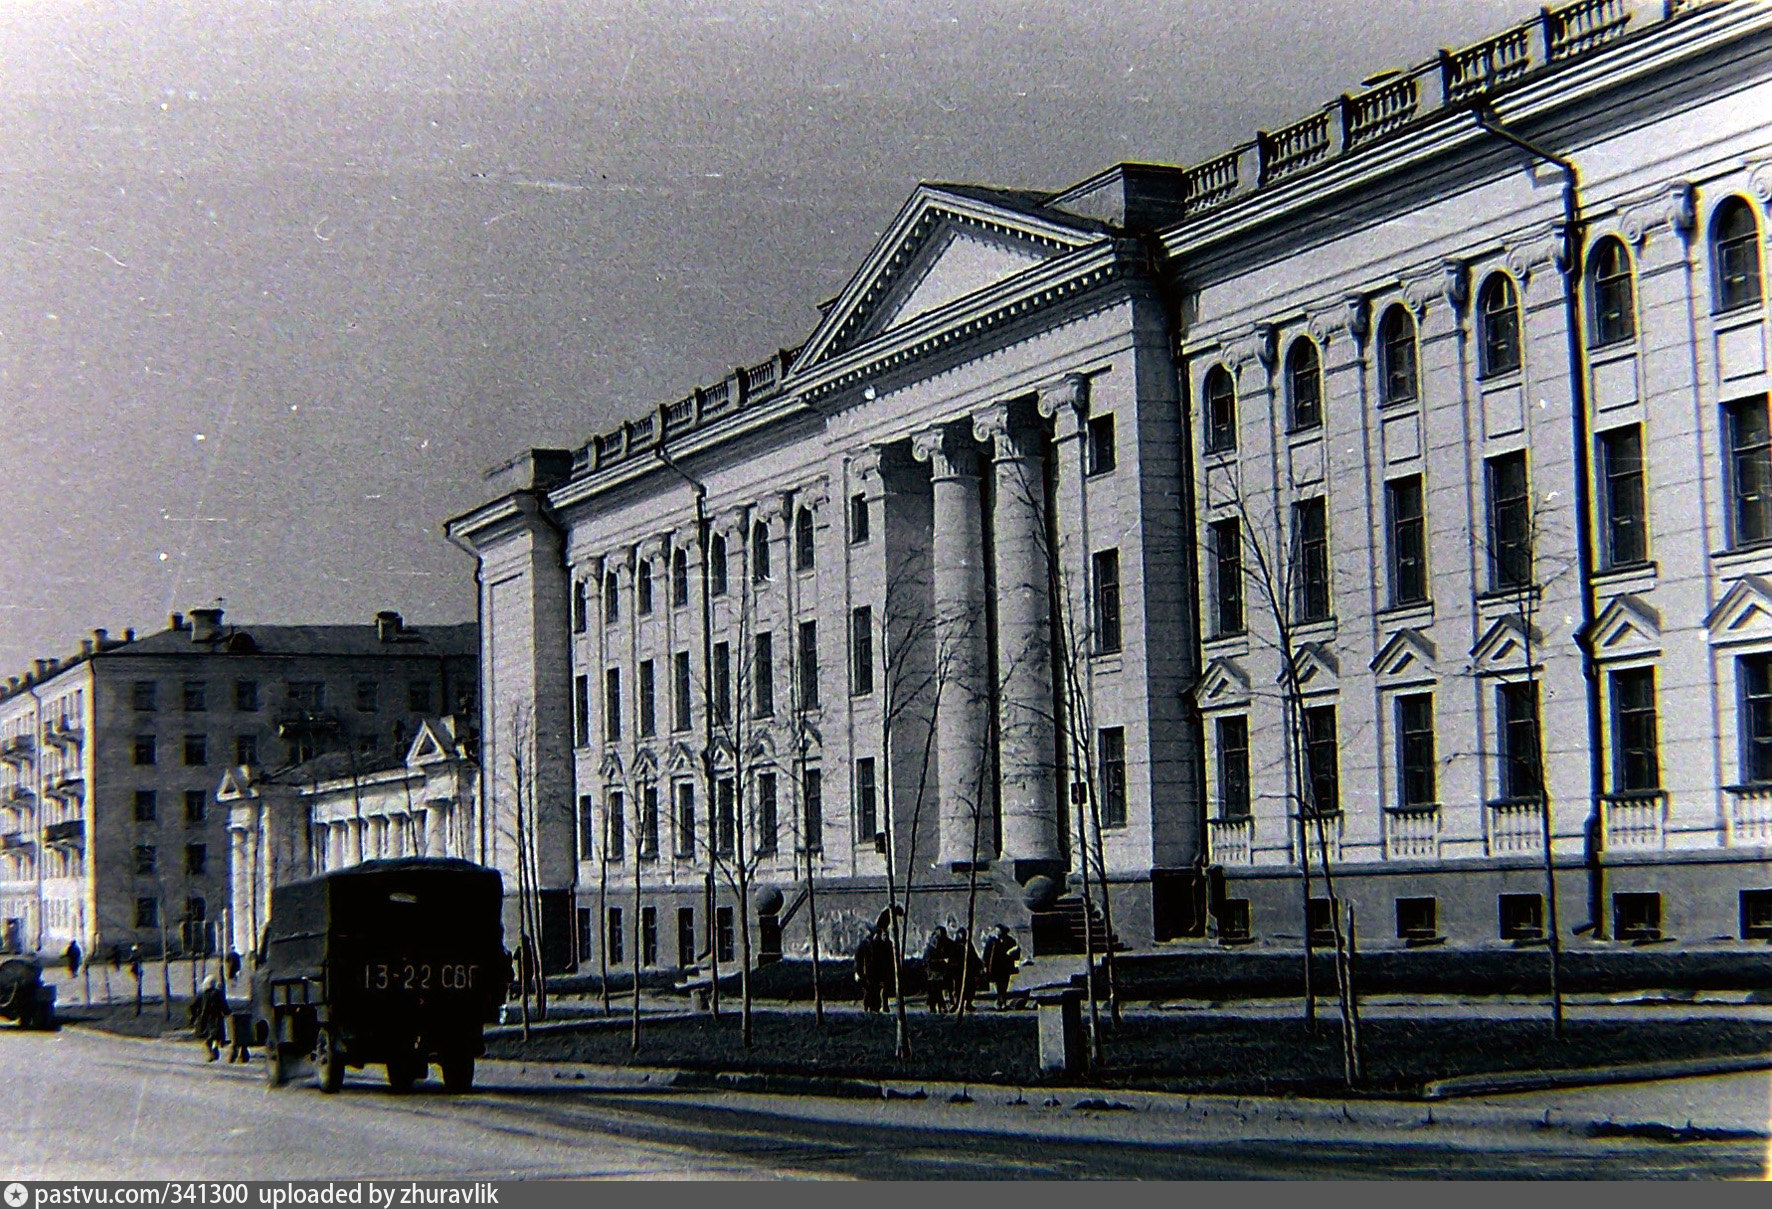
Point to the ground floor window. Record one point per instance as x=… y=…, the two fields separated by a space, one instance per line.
x=1522 y=916
x=1756 y=915
x=725 y=935
x=1233 y=919
x=614 y=945
x=1417 y=918
x=648 y=936
x=685 y=936
x=1636 y=916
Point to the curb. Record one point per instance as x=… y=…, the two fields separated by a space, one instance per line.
x=1593 y=1076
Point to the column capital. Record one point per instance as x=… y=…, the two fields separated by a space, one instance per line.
x=1065 y=401
x=865 y=463
x=947 y=448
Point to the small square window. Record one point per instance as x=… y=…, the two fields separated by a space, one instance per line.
x=418 y=697
x=1636 y=916
x=1233 y=920
x=146 y=805
x=196 y=805
x=246 y=749
x=1101 y=444
x=1417 y=919
x=196 y=696
x=246 y=696
x=144 y=859
x=144 y=749
x=196 y=859
x=1522 y=916
x=142 y=696
x=196 y=751
x=147 y=913
x=1321 y=918
x=367 y=693
x=1756 y=915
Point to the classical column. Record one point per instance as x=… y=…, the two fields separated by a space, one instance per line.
x=357 y=827
x=1026 y=733
x=436 y=827
x=962 y=742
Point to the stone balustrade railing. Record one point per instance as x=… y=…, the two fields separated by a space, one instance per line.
x=1750 y=815
x=1636 y=820
x=1233 y=840
x=1412 y=832
x=1516 y=827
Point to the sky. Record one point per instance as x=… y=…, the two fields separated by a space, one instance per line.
x=279 y=282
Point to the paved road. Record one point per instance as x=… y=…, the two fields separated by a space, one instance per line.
x=85 y=1105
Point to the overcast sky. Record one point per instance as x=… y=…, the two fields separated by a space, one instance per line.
x=280 y=281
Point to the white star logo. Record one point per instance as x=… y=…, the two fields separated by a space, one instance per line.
x=16 y=1194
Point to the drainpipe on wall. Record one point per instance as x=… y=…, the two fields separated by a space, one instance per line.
x=1593 y=838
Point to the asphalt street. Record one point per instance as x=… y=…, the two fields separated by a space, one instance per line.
x=82 y=1104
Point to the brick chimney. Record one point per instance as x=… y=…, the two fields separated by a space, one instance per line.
x=388 y=625
x=175 y=622
x=206 y=624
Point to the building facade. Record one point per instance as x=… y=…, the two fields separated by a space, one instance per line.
x=109 y=764
x=1380 y=494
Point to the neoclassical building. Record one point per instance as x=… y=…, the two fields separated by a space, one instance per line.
x=1397 y=481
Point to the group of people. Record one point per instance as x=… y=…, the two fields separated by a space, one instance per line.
x=953 y=970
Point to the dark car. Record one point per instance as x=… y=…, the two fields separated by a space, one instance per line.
x=24 y=996
x=399 y=962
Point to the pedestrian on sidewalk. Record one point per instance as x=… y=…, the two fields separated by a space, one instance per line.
x=209 y=1017
x=1002 y=954
x=72 y=956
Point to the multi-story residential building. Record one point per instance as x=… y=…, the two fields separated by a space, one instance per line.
x=110 y=759
x=1395 y=481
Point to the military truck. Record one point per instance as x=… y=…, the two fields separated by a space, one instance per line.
x=398 y=962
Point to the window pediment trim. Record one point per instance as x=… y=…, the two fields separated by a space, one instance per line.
x=1626 y=627
x=1503 y=646
x=1223 y=685
x=1744 y=614
x=1407 y=655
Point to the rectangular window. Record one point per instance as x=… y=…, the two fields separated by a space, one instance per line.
x=1417 y=918
x=649 y=822
x=858 y=518
x=763 y=677
x=1510 y=522
x=643 y=587
x=142 y=696
x=1233 y=767
x=1521 y=916
x=1753 y=675
x=611 y=598
x=812 y=799
x=722 y=683
x=1750 y=472
x=1415 y=749
x=648 y=699
x=1310 y=528
x=1106 y=567
x=146 y=805
x=196 y=696
x=581 y=710
x=1408 y=540
x=1319 y=921
x=683 y=838
x=246 y=696
x=196 y=859
x=680 y=701
x=588 y=842
x=648 y=936
x=766 y=820
x=612 y=946
x=580 y=607
x=612 y=704
x=196 y=751
x=1626 y=533
x=147 y=913
x=717 y=565
x=1322 y=759
x=1756 y=914
x=418 y=696
x=144 y=749
x=1517 y=706
x=367 y=693
x=760 y=553
x=1101 y=444
x=1111 y=748
x=196 y=805
x=861 y=651
x=808 y=665
x=1636 y=762
x=144 y=859
x=246 y=749
x=805 y=544
x=1221 y=414
x=679 y=578
x=867 y=821
x=1227 y=576
x=724 y=934
x=725 y=817
x=307 y=694
x=685 y=936
x=613 y=828
x=1636 y=916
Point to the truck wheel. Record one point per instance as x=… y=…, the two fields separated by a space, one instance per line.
x=329 y=1061
x=276 y=1065
x=458 y=1074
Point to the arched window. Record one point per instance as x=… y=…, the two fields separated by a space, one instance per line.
x=1396 y=357
x=759 y=552
x=679 y=577
x=717 y=565
x=1498 y=317
x=611 y=597
x=804 y=549
x=1614 y=304
x=1735 y=251
x=1221 y=411
x=1304 y=385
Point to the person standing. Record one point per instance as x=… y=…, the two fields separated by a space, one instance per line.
x=209 y=1017
x=1002 y=954
x=72 y=957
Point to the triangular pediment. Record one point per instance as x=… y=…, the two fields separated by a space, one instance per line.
x=947 y=244
x=679 y=759
x=1503 y=645
x=430 y=745
x=645 y=764
x=1318 y=669
x=1223 y=684
x=1406 y=655
x=1745 y=612
x=1626 y=626
x=236 y=783
x=611 y=769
